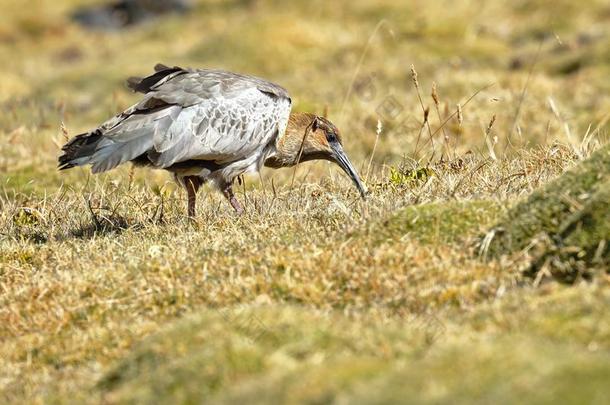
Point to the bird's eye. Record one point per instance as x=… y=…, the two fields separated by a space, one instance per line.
x=331 y=137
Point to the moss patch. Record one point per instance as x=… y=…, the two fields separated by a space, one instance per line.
x=443 y=223
x=566 y=224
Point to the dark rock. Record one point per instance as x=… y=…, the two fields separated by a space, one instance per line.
x=121 y=14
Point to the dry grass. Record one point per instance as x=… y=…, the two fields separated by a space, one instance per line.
x=90 y=267
x=564 y=224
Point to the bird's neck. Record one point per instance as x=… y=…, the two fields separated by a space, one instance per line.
x=292 y=147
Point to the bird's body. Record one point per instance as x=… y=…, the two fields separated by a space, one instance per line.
x=201 y=125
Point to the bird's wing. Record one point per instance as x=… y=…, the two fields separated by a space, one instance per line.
x=190 y=84
x=194 y=114
x=222 y=129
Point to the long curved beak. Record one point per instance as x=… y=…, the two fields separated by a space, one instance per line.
x=341 y=159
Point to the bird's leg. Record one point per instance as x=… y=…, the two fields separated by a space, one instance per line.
x=192 y=184
x=228 y=193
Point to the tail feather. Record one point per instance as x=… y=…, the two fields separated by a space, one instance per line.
x=162 y=73
x=128 y=135
x=101 y=152
x=109 y=155
x=79 y=150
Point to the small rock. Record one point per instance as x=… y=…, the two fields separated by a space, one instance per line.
x=121 y=14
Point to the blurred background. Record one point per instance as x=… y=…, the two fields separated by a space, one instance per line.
x=538 y=69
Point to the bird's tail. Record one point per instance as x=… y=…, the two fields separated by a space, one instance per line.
x=79 y=150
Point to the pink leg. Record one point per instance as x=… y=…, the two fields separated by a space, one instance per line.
x=228 y=193
x=192 y=184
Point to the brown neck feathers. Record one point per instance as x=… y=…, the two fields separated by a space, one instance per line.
x=300 y=143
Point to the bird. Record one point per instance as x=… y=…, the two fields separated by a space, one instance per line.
x=208 y=126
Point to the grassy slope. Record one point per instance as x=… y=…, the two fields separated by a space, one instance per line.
x=298 y=356
x=341 y=285
x=568 y=218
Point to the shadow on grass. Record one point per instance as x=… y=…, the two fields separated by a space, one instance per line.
x=28 y=227
x=103 y=225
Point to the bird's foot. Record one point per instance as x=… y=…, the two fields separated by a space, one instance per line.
x=236 y=206
x=228 y=193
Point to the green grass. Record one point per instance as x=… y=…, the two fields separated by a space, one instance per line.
x=444 y=223
x=567 y=218
x=288 y=354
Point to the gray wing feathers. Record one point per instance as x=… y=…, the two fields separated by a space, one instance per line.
x=193 y=114
x=126 y=137
x=221 y=130
x=112 y=154
x=187 y=87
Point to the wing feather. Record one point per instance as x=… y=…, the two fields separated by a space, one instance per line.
x=187 y=114
x=222 y=129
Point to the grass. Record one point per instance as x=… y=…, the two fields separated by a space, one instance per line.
x=295 y=355
x=565 y=224
x=446 y=223
x=109 y=294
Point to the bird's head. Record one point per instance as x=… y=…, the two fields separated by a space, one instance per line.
x=311 y=137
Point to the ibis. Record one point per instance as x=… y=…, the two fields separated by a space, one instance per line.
x=207 y=125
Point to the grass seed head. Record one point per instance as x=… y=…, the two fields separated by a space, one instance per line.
x=414 y=76
x=435 y=95
x=491 y=124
